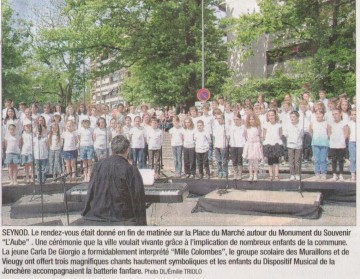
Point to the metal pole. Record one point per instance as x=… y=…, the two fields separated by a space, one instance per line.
x=84 y=82
x=202 y=45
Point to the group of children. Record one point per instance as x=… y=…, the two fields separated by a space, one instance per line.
x=237 y=133
x=261 y=133
x=54 y=145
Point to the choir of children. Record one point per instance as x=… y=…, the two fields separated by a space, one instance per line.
x=251 y=133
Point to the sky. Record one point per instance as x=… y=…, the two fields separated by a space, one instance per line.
x=24 y=8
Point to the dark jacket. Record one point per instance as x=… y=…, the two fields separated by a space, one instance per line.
x=115 y=193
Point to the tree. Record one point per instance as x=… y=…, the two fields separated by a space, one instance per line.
x=15 y=43
x=60 y=64
x=158 y=41
x=327 y=28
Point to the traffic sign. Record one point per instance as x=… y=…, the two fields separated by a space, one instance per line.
x=203 y=94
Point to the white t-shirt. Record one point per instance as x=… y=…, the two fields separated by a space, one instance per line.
x=285 y=118
x=41 y=151
x=329 y=118
x=221 y=135
x=48 y=118
x=229 y=118
x=93 y=121
x=305 y=121
x=345 y=118
x=195 y=120
x=154 y=138
x=55 y=143
x=108 y=118
x=352 y=129
x=81 y=117
x=272 y=135
x=26 y=148
x=86 y=136
x=17 y=124
x=132 y=116
x=208 y=123
x=189 y=141
x=202 y=141
x=12 y=144
x=126 y=131
x=337 y=137
x=69 y=139
x=137 y=135
x=177 y=136
x=237 y=138
x=102 y=138
x=294 y=135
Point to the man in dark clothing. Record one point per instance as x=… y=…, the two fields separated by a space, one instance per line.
x=116 y=191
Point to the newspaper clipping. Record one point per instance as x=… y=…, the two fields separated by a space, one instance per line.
x=97 y=183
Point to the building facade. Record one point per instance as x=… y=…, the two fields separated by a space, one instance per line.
x=107 y=89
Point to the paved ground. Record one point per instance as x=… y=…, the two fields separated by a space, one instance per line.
x=176 y=214
x=179 y=214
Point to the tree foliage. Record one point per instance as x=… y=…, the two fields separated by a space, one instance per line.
x=15 y=42
x=60 y=63
x=327 y=27
x=158 y=41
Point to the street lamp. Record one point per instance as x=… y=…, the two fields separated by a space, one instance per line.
x=202 y=46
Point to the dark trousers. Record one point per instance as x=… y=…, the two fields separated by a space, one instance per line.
x=189 y=161
x=286 y=155
x=307 y=147
x=146 y=155
x=203 y=161
x=236 y=156
x=337 y=156
x=154 y=160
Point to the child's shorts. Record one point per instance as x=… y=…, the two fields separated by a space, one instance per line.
x=27 y=159
x=70 y=155
x=86 y=152
x=12 y=158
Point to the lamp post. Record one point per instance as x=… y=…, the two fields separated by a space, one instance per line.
x=202 y=46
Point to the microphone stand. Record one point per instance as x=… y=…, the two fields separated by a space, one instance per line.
x=33 y=156
x=40 y=174
x=106 y=140
x=32 y=147
x=226 y=148
x=63 y=180
x=301 y=154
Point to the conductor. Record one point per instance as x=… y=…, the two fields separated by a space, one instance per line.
x=116 y=191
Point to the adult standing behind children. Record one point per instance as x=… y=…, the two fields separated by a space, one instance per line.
x=116 y=190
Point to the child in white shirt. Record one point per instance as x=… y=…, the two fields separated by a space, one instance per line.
x=154 y=138
x=294 y=134
x=70 y=140
x=339 y=132
x=237 y=142
x=202 y=144
x=55 y=160
x=102 y=138
x=27 y=157
x=137 y=141
x=177 y=141
x=12 y=150
x=86 y=142
x=221 y=142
